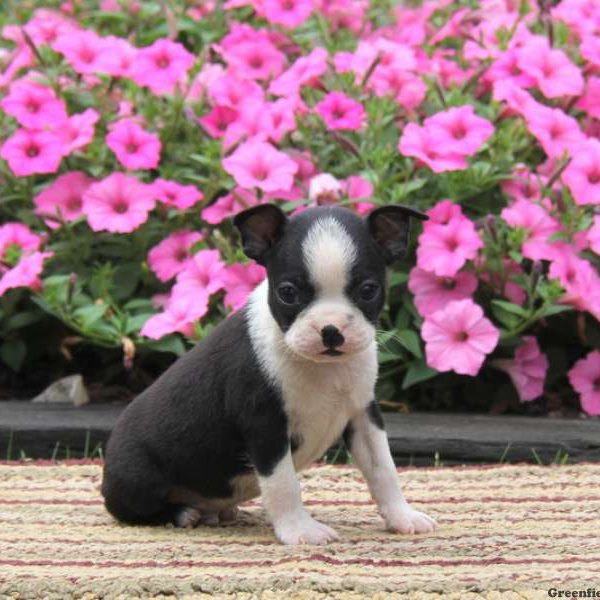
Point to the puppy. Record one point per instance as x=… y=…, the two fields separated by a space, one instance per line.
x=273 y=386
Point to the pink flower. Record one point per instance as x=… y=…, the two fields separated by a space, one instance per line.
x=582 y=176
x=324 y=188
x=229 y=205
x=119 y=203
x=78 y=130
x=305 y=71
x=459 y=130
x=175 y=194
x=240 y=280
x=287 y=13
x=458 y=337
x=15 y=240
x=433 y=293
x=554 y=74
x=258 y=164
x=30 y=152
x=443 y=212
x=405 y=87
x=585 y=378
x=119 y=61
x=218 y=120
x=202 y=275
x=593 y=235
x=170 y=257
x=82 y=49
x=232 y=92
x=134 y=147
x=254 y=59
x=590 y=101
x=444 y=249
x=421 y=143
x=26 y=273
x=524 y=185
x=33 y=105
x=179 y=316
x=527 y=369
x=161 y=66
x=538 y=225
x=340 y=112
x=62 y=200
x=556 y=131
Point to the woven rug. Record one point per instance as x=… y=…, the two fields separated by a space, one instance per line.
x=505 y=532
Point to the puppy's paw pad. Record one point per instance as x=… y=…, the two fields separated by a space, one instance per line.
x=188 y=517
x=410 y=521
x=305 y=531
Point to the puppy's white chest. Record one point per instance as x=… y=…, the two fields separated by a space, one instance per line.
x=321 y=400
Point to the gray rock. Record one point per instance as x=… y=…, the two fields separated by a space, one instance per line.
x=69 y=390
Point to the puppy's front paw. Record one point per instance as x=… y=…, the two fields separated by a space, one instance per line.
x=303 y=529
x=407 y=520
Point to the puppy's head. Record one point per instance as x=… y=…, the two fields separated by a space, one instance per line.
x=326 y=272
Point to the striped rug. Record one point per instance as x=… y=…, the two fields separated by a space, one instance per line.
x=508 y=532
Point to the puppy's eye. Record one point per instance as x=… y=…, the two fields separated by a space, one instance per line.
x=287 y=293
x=368 y=291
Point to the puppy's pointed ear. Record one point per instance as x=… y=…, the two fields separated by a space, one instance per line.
x=389 y=226
x=261 y=227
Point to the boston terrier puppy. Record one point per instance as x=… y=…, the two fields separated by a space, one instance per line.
x=273 y=386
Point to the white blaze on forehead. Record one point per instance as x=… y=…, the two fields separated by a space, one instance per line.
x=329 y=253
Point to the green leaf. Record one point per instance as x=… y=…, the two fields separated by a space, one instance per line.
x=170 y=343
x=410 y=340
x=13 y=354
x=515 y=309
x=21 y=320
x=88 y=315
x=136 y=322
x=556 y=309
x=418 y=372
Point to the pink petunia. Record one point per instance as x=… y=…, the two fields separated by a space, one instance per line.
x=590 y=101
x=134 y=147
x=585 y=379
x=240 y=281
x=26 y=273
x=32 y=152
x=458 y=338
x=324 y=189
x=444 y=249
x=432 y=293
x=161 y=66
x=554 y=74
x=202 y=275
x=524 y=185
x=232 y=92
x=229 y=205
x=33 y=105
x=556 y=131
x=179 y=316
x=459 y=130
x=593 y=235
x=538 y=225
x=119 y=203
x=287 y=13
x=340 y=112
x=443 y=212
x=527 y=369
x=255 y=59
x=62 y=200
x=405 y=87
x=305 y=71
x=420 y=143
x=175 y=194
x=168 y=258
x=82 y=49
x=78 y=130
x=121 y=58
x=582 y=176
x=216 y=122
x=17 y=239
x=260 y=165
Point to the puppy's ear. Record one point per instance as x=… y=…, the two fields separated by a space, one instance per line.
x=389 y=226
x=261 y=227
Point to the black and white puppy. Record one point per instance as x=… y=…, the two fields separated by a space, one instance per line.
x=273 y=386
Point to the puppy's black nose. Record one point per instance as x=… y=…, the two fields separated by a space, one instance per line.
x=332 y=338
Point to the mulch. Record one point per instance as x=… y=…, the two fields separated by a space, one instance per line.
x=506 y=532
